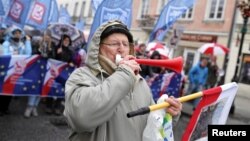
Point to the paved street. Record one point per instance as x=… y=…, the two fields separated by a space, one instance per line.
x=15 y=127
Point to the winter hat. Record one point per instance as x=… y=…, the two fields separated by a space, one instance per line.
x=117 y=28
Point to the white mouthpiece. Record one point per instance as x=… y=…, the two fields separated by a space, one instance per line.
x=118 y=58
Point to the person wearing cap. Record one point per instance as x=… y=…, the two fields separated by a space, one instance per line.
x=99 y=95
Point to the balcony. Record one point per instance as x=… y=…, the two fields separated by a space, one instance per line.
x=147 y=22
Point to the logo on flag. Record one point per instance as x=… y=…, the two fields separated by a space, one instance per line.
x=38 y=12
x=53 y=71
x=20 y=67
x=174 y=12
x=16 y=10
x=108 y=14
x=112 y=10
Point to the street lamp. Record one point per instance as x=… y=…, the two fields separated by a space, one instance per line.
x=245 y=12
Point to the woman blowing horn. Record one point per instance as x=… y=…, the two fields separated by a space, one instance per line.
x=100 y=94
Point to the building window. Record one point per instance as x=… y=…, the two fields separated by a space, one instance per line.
x=75 y=9
x=82 y=9
x=144 y=8
x=90 y=11
x=188 y=14
x=216 y=9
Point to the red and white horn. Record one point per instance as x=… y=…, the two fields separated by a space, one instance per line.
x=175 y=64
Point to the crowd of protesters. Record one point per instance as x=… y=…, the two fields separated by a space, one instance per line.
x=15 y=41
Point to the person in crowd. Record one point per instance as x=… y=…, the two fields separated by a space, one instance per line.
x=213 y=72
x=2 y=37
x=17 y=44
x=142 y=54
x=33 y=101
x=63 y=53
x=99 y=95
x=197 y=77
x=2 y=34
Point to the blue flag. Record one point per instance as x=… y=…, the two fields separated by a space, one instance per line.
x=64 y=16
x=167 y=83
x=21 y=74
x=112 y=10
x=6 y=6
x=2 y=12
x=54 y=12
x=57 y=73
x=170 y=13
x=80 y=24
x=39 y=14
x=95 y=4
x=18 y=12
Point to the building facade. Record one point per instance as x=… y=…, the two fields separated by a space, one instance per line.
x=207 y=21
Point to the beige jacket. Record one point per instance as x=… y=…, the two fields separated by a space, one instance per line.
x=96 y=103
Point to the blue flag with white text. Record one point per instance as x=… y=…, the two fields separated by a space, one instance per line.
x=18 y=12
x=169 y=14
x=39 y=14
x=112 y=10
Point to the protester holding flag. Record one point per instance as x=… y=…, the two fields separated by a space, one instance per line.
x=99 y=95
x=16 y=46
x=63 y=53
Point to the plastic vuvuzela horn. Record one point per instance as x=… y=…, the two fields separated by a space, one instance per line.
x=174 y=64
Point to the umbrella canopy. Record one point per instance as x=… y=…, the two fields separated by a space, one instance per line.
x=57 y=30
x=213 y=49
x=158 y=46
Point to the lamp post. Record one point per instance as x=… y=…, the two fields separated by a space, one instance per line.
x=245 y=12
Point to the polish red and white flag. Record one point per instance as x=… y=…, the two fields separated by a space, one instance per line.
x=212 y=109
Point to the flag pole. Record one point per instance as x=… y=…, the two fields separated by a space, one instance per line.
x=145 y=110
